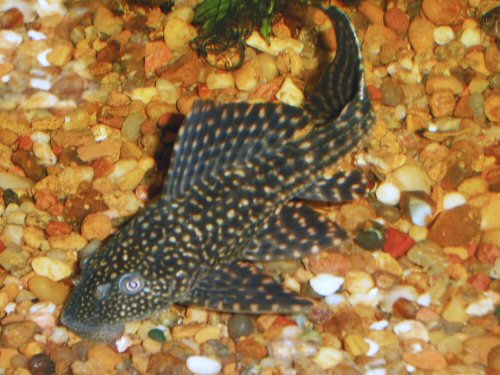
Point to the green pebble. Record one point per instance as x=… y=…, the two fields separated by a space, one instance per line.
x=157 y=335
x=10 y=196
x=497 y=312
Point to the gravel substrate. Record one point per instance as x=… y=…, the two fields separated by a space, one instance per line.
x=90 y=102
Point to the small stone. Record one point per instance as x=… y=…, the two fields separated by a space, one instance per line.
x=94 y=151
x=14 y=335
x=14 y=181
x=251 y=349
x=201 y=365
x=178 y=33
x=46 y=289
x=157 y=55
x=54 y=269
x=96 y=225
x=443 y=35
x=328 y=357
x=443 y=12
x=240 y=325
x=248 y=76
x=397 y=243
x=371 y=237
x=430 y=256
x=13 y=258
x=131 y=127
x=455 y=312
x=207 y=333
x=388 y=193
x=41 y=364
x=481 y=307
x=417 y=206
x=471 y=37
x=40 y=100
x=456 y=227
x=411 y=177
x=451 y=83
x=397 y=20
x=358 y=282
x=452 y=200
x=492 y=107
x=353 y=215
x=421 y=34
x=392 y=94
x=442 y=103
x=165 y=363
x=356 y=345
x=106 y=22
x=330 y=262
x=494 y=359
x=157 y=335
x=479 y=347
x=426 y=359
x=411 y=329
x=105 y=356
x=326 y=284
x=290 y=94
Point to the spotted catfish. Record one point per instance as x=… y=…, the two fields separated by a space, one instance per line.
x=230 y=200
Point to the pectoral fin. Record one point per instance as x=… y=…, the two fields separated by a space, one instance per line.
x=240 y=287
x=295 y=232
x=341 y=187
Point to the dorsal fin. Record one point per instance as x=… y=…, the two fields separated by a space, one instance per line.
x=216 y=136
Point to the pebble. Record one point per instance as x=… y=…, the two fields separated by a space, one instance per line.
x=454 y=311
x=326 y=284
x=426 y=359
x=358 y=282
x=443 y=35
x=219 y=81
x=13 y=258
x=471 y=37
x=443 y=12
x=388 y=193
x=14 y=335
x=178 y=33
x=421 y=34
x=411 y=329
x=456 y=227
x=41 y=364
x=397 y=20
x=417 y=206
x=481 y=307
x=96 y=225
x=53 y=268
x=397 y=243
x=411 y=177
x=492 y=107
x=107 y=358
x=14 y=181
x=452 y=200
x=328 y=358
x=201 y=365
x=240 y=325
x=290 y=94
x=46 y=289
x=395 y=293
x=392 y=94
x=480 y=346
x=494 y=359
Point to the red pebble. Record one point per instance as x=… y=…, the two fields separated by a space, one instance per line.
x=397 y=243
x=204 y=92
x=480 y=281
x=45 y=198
x=25 y=143
x=284 y=321
x=2 y=246
x=57 y=150
x=488 y=253
x=58 y=228
x=454 y=258
x=375 y=92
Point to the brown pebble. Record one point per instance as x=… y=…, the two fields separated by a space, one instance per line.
x=105 y=356
x=12 y=18
x=492 y=107
x=251 y=350
x=426 y=359
x=83 y=203
x=46 y=289
x=185 y=71
x=456 y=227
x=397 y=20
x=494 y=359
x=96 y=225
x=420 y=34
x=330 y=262
x=442 y=103
x=443 y=12
x=30 y=166
x=17 y=334
x=165 y=363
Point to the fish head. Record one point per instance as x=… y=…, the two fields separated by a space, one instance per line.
x=118 y=284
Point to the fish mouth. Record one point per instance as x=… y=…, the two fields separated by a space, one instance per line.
x=101 y=332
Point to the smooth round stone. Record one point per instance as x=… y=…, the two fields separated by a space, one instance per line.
x=388 y=193
x=411 y=329
x=41 y=364
x=325 y=284
x=443 y=35
x=452 y=200
x=240 y=325
x=203 y=365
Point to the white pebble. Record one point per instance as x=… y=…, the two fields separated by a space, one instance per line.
x=46 y=8
x=42 y=57
x=400 y=112
x=419 y=211
x=217 y=81
x=203 y=365
x=424 y=300
x=452 y=200
x=43 y=307
x=358 y=282
x=388 y=193
x=45 y=154
x=380 y=325
x=42 y=84
x=328 y=357
x=59 y=336
x=480 y=308
x=374 y=347
x=411 y=329
x=335 y=300
x=290 y=94
x=10 y=308
x=443 y=35
x=40 y=100
x=471 y=37
x=10 y=39
x=123 y=343
x=325 y=284
x=371 y=298
x=40 y=137
x=36 y=35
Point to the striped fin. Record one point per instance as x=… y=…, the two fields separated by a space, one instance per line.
x=341 y=187
x=295 y=232
x=240 y=287
x=340 y=82
x=214 y=137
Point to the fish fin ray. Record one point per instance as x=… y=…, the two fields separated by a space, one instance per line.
x=214 y=137
x=241 y=287
x=341 y=187
x=296 y=231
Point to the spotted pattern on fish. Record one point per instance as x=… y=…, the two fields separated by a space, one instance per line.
x=230 y=200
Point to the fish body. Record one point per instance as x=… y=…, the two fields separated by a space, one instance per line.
x=228 y=200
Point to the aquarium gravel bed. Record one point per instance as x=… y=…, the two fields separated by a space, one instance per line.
x=91 y=98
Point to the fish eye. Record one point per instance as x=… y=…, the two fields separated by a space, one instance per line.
x=131 y=283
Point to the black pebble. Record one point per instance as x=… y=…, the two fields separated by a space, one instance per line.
x=41 y=364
